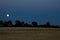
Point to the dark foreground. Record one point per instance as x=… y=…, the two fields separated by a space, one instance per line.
x=24 y=33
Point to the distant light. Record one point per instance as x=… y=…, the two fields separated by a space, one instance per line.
x=8 y=15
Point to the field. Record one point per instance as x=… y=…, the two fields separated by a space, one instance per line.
x=24 y=33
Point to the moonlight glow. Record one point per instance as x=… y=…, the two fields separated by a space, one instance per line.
x=7 y=15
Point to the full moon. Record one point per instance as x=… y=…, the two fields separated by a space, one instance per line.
x=7 y=15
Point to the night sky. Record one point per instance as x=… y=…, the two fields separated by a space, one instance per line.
x=40 y=11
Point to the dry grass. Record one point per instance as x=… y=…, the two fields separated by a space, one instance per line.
x=24 y=33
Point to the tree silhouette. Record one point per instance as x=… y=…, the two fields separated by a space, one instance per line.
x=26 y=24
x=22 y=24
x=19 y=24
x=5 y=24
x=47 y=24
x=10 y=23
x=1 y=23
x=34 y=24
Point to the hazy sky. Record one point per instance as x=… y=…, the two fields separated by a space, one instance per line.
x=31 y=10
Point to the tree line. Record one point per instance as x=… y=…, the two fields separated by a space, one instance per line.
x=23 y=24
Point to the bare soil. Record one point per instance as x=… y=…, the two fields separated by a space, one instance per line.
x=26 y=33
